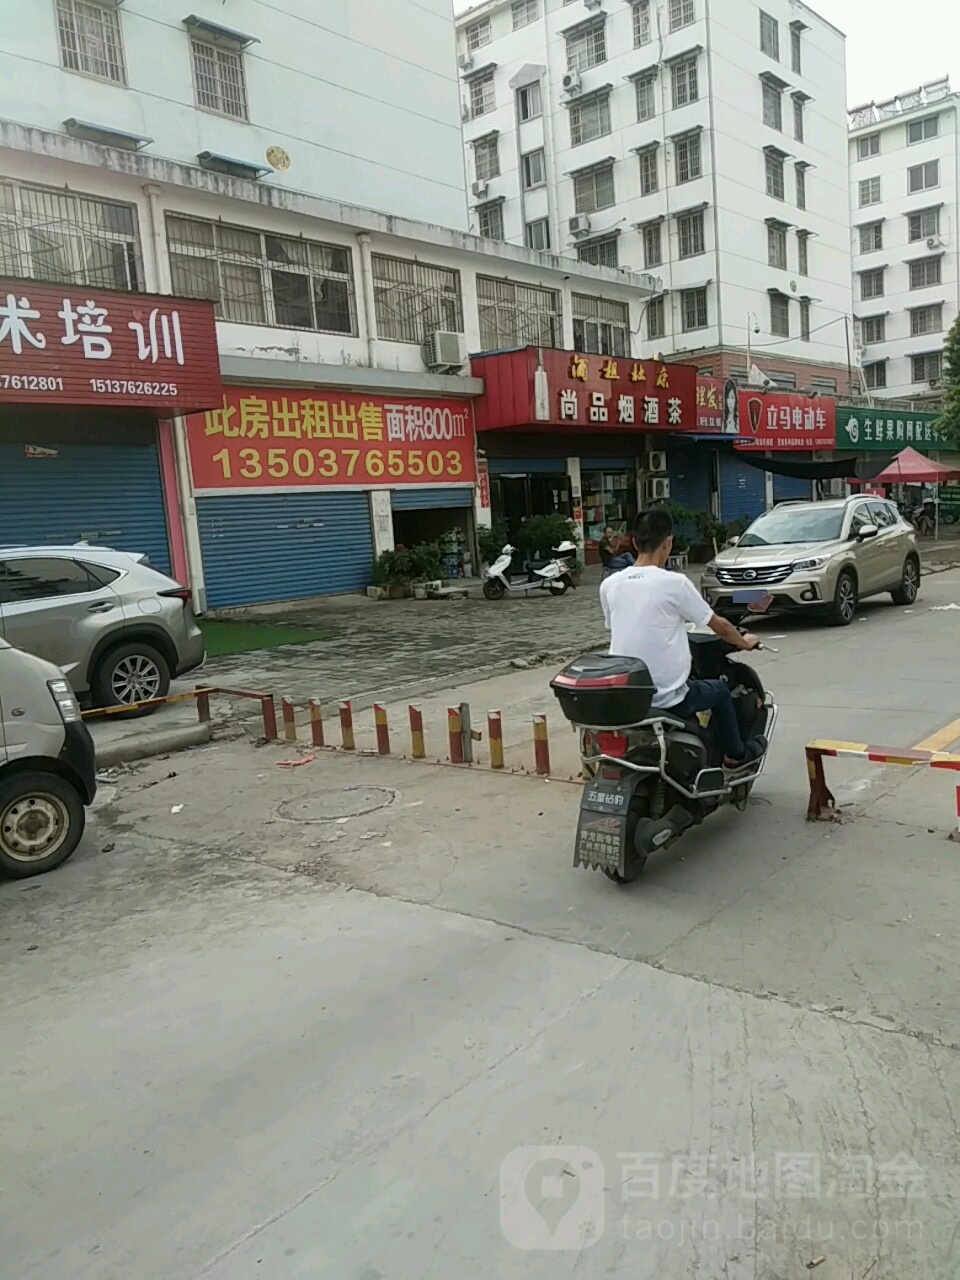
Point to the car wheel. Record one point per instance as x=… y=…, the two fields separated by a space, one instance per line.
x=845 y=599
x=130 y=673
x=909 y=587
x=41 y=822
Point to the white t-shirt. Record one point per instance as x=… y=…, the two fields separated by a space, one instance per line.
x=646 y=611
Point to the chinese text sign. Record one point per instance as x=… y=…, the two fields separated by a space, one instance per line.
x=783 y=421
x=598 y=392
x=887 y=430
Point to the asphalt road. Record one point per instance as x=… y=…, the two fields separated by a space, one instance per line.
x=362 y=1019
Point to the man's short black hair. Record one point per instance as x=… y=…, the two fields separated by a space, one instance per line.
x=651 y=529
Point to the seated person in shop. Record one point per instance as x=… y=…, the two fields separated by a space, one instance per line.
x=608 y=546
x=647 y=609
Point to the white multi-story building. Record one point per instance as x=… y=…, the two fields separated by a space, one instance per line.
x=700 y=140
x=905 y=213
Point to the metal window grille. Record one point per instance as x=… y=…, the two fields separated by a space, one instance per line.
x=649 y=178
x=871 y=237
x=774 y=173
x=922 y=177
x=868 y=147
x=219 y=79
x=517 y=315
x=586 y=49
x=525 y=12
x=769 y=36
x=602 y=253
x=537 y=234
x=642 y=29
x=490 y=217
x=772 y=106
x=414 y=299
x=656 y=319
x=926 y=272
x=482 y=96
x=593 y=191
x=486 y=158
x=777 y=247
x=924 y=224
x=927 y=368
x=601 y=327
x=926 y=320
x=871 y=284
x=258 y=278
x=798 y=119
x=690 y=233
x=805 y=319
x=873 y=329
x=685 y=82
x=479 y=34
x=646 y=97
x=67 y=238
x=590 y=119
x=687 y=158
x=779 y=315
x=803 y=254
x=801 y=175
x=875 y=375
x=693 y=304
x=90 y=39
x=681 y=14
x=653 y=245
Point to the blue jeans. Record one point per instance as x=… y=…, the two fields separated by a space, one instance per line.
x=714 y=695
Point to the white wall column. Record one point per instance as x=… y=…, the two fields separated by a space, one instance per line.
x=381 y=520
x=576 y=499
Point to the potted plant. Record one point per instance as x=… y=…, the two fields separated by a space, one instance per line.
x=425 y=568
x=490 y=542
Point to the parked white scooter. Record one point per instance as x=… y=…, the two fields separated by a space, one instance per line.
x=555 y=576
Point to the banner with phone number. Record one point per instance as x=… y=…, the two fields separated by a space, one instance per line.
x=281 y=439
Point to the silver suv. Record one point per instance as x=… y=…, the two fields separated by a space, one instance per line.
x=818 y=556
x=118 y=629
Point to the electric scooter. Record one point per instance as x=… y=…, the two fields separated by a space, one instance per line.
x=556 y=576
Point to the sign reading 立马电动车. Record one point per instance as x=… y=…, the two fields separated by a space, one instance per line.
x=87 y=346
x=879 y=429
x=781 y=420
x=283 y=439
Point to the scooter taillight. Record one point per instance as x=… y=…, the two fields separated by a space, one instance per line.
x=612 y=744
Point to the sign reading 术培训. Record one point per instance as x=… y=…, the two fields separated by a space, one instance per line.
x=887 y=430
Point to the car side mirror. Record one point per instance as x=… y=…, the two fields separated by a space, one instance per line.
x=867 y=532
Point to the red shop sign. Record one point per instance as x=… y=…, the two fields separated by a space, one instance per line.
x=65 y=345
x=283 y=439
x=783 y=421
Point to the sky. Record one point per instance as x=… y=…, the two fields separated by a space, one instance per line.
x=887 y=52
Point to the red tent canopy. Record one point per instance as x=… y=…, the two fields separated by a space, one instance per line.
x=911 y=467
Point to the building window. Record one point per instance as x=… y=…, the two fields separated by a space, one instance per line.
x=924 y=225
x=219 y=79
x=923 y=177
x=529 y=102
x=90 y=39
x=490 y=218
x=693 y=308
x=479 y=34
x=805 y=319
x=798 y=119
x=594 y=190
x=414 y=299
x=656 y=319
x=875 y=376
x=600 y=253
x=803 y=253
x=687 y=158
x=684 y=82
x=869 y=192
x=873 y=329
x=871 y=284
x=871 y=237
x=589 y=119
x=68 y=239
x=923 y=130
x=517 y=315
x=486 y=158
x=258 y=278
x=649 y=176
x=653 y=245
x=646 y=97
x=774 y=174
x=769 y=36
x=525 y=12
x=482 y=94
x=642 y=29
x=533 y=169
x=926 y=320
x=601 y=328
x=777 y=245
x=868 y=147
x=681 y=14
x=796 y=51
x=927 y=368
x=586 y=49
x=536 y=235
x=801 y=175
x=926 y=273
x=690 y=235
x=772 y=106
x=780 y=315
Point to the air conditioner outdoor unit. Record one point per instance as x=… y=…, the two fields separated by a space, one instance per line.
x=465 y=61
x=579 y=224
x=934 y=243
x=655 y=462
x=442 y=351
x=572 y=82
x=480 y=188
x=936 y=384
x=656 y=489
x=594 y=4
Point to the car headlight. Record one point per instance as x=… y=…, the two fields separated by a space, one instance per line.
x=815 y=562
x=66 y=701
x=711 y=568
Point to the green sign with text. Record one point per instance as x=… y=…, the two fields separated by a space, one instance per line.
x=887 y=430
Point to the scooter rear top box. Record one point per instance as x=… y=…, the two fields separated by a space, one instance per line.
x=604 y=691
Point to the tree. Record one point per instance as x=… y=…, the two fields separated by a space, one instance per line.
x=949 y=422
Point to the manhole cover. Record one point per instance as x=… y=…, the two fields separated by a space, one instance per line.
x=328 y=806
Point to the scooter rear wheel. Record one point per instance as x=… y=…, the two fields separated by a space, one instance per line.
x=558 y=588
x=494 y=589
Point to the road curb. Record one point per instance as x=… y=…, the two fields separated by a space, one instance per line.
x=144 y=745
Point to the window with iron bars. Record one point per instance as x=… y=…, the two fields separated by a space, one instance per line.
x=927 y=368
x=594 y=190
x=777 y=245
x=871 y=284
x=601 y=253
x=780 y=315
x=873 y=329
x=682 y=14
x=600 y=327
x=693 y=309
x=517 y=315
x=490 y=217
x=690 y=235
x=589 y=119
x=68 y=238
x=219 y=80
x=687 y=158
x=258 y=278
x=774 y=174
x=479 y=34
x=642 y=28
x=587 y=49
x=926 y=320
x=91 y=40
x=772 y=106
x=414 y=299
x=685 y=82
x=646 y=97
x=482 y=94
x=926 y=272
x=524 y=12
x=486 y=158
x=649 y=172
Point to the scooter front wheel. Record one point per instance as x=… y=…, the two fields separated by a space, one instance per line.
x=494 y=589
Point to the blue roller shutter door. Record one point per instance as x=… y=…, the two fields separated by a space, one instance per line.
x=108 y=494
x=688 y=468
x=741 y=489
x=430 y=499
x=791 y=488
x=284 y=547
